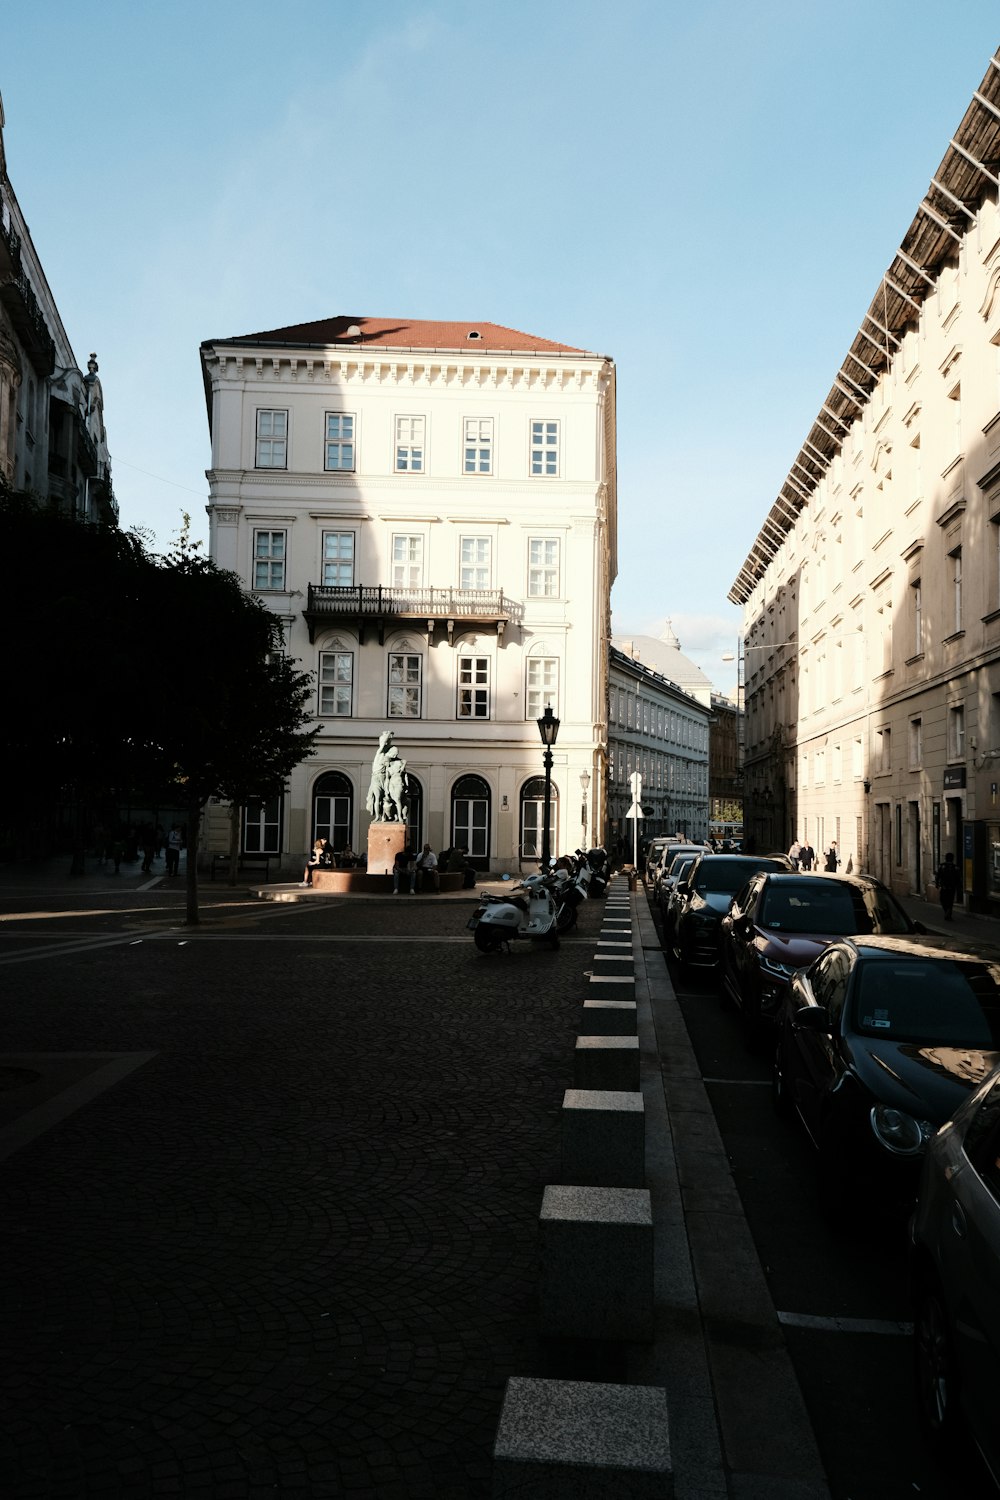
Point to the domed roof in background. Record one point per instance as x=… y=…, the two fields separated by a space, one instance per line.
x=663 y=654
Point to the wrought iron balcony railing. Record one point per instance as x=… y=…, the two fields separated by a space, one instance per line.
x=372 y=603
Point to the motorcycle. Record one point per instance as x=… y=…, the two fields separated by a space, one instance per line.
x=600 y=865
x=528 y=911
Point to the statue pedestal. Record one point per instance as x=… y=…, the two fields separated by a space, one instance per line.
x=384 y=842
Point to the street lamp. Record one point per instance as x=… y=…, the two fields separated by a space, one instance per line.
x=548 y=728
x=584 y=787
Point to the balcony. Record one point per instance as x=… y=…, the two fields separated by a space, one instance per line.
x=365 y=606
x=29 y=322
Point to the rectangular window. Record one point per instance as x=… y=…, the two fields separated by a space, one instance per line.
x=956 y=588
x=336 y=684
x=272 y=440
x=838 y=761
x=474 y=571
x=916 y=744
x=338 y=559
x=916 y=594
x=474 y=687
x=543 y=567
x=545 y=449
x=404 y=686
x=407 y=562
x=269 y=559
x=857 y=760
x=883 y=750
x=339 y=440
x=478 y=445
x=410 y=445
x=956 y=733
x=542 y=686
x=820 y=768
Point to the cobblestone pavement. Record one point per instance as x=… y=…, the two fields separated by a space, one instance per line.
x=293 y=1252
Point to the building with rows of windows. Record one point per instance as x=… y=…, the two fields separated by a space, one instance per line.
x=430 y=509
x=871 y=595
x=659 y=716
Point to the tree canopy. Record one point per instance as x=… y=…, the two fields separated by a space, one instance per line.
x=133 y=673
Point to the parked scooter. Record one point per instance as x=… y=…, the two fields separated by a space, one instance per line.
x=528 y=911
x=600 y=865
x=572 y=877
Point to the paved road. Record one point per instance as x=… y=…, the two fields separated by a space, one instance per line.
x=269 y=1205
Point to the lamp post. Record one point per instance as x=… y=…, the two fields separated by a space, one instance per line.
x=548 y=728
x=584 y=787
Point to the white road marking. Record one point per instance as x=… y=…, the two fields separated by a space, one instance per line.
x=882 y=1326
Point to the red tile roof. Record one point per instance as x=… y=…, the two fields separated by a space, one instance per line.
x=406 y=333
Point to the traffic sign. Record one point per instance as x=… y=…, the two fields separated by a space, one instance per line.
x=635 y=811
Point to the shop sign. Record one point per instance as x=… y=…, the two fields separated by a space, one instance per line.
x=954 y=777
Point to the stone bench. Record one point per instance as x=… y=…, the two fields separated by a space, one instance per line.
x=563 y=1439
x=603 y=1138
x=596 y=1263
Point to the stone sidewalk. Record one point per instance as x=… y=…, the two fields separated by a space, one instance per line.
x=292 y=1247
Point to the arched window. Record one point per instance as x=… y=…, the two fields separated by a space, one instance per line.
x=470 y=819
x=415 y=813
x=333 y=810
x=533 y=818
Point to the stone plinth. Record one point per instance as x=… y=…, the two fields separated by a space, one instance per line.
x=603 y=1138
x=384 y=842
x=609 y=1018
x=606 y=1062
x=565 y=1438
x=596 y=1263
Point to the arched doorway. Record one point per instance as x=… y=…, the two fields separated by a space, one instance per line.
x=333 y=810
x=470 y=819
x=532 y=820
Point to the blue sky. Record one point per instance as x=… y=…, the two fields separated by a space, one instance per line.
x=709 y=194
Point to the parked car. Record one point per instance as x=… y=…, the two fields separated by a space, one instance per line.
x=955 y=1273
x=679 y=867
x=781 y=922
x=703 y=897
x=667 y=855
x=654 y=849
x=880 y=1041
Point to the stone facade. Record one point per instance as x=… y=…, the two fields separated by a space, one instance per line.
x=430 y=509
x=872 y=593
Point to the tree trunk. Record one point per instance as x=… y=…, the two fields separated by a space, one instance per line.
x=193 y=830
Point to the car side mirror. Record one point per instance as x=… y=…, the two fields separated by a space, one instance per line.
x=812 y=1018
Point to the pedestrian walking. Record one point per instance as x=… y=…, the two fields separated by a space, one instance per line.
x=807 y=857
x=147 y=837
x=946 y=880
x=793 y=853
x=175 y=843
x=831 y=859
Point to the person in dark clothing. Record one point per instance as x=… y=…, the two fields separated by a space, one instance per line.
x=946 y=880
x=807 y=857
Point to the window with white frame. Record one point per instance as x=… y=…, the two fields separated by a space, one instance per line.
x=338 y=559
x=473 y=687
x=474 y=568
x=916 y=744
x=478 y=449
x=404 y=685
x=857 y=759
x=339 y=454
x=956 y=588
x=883 y=750
x=410 y=435
x=269 y=559
x=272 y=439
x=837 y=763
x=917 y=599
x=407 y=562
x=543 y=567
x=541 y=686
x=545 y=449
x=956 y=732
x=820 y=768
x=336 y=684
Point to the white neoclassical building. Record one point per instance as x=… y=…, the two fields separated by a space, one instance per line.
x=430 y=509
x=871 y=594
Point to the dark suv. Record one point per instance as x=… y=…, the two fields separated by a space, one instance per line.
x=703 y=898
x=779 y=923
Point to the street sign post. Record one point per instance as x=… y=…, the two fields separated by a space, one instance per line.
x=635 y=813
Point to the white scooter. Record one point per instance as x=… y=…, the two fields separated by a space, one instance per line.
x=529 y=911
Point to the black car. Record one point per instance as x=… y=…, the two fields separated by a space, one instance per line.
x=880 y=1041
x=780 y=922
x=702 y=900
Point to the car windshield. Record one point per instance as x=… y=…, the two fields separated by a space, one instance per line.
x=726 y=875
x=680 y=862
x=824 y=906
x=929 y=1000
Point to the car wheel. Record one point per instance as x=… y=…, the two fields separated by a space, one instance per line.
x=934 y=1369
x=487 y=939
x=780 y=1096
